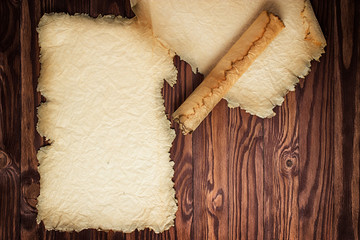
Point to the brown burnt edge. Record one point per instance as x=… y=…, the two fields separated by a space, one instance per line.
x=309 y=36
x=182 y=126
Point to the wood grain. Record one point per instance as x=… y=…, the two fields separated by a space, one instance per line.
x=10 y=116
x=281 y=167
x=246 y=176
x=181 y=152
x=210 y=175
x=327 y=130
x=295 y=176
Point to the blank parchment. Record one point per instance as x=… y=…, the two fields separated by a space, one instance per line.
x=108 y=164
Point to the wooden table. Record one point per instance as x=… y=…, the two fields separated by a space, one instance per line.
x=294 y=176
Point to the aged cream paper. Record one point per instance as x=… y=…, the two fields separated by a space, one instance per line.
x=202 y=31
x=108 y=164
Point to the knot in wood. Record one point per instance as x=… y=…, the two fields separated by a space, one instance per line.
x=218 y=200
x=289 y=164
x=30 y=188
x=4 y=160
x=30 y=193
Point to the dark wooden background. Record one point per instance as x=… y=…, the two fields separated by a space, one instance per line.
x=295 y=176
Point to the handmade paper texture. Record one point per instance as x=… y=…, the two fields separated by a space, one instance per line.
x=108 y=164
x=202 y=31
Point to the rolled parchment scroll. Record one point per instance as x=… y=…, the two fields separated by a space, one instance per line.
x=227 y=71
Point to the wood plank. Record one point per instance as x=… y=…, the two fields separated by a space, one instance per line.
x=10 y=115
x=316 y=147
x=246 y=176
x=181 y=151
x=30 y=140
x=346 y=90
x=329 y=136
x=281 y=166
x=210 y=164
